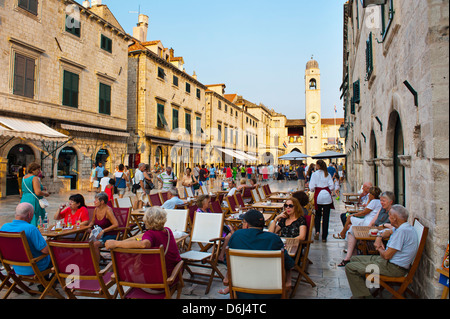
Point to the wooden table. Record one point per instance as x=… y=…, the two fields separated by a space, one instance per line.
x=361 y=233
x=272 y=206
x=347 y=197
x=278 y=198
x=444 y=281
x=236 y=223
x=65 y=232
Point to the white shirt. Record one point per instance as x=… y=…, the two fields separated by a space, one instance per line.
x=138 y=176
x=375 y=206
x=104 y=182
x=318 y=179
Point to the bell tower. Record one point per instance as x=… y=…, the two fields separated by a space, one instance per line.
x=313 y=136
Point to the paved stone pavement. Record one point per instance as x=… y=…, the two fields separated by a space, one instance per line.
x=331 y=282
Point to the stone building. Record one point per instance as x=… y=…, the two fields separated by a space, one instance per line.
x=229 y=129
x=166 y=106
x=396 y=102
x=62 y=91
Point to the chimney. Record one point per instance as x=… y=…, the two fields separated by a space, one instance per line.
x=171 y=53
x=86 y=4
x=194 y=75
x=140 y=32
x=96 y=2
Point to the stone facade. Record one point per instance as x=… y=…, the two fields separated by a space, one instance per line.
x=48 y=39
x=396 y=139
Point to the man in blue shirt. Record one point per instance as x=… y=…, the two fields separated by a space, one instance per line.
x=252 y=237
x=38 y=245
x=332 y=171
x=393 y=261
x=172 y=199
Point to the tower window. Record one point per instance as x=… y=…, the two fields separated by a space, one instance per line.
x=312 y=84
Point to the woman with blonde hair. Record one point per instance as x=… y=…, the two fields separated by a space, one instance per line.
x=156 y=235
x=290 y=223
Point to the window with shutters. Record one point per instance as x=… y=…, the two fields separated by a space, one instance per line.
x=73 y=26
x=161 y=73
x=198 y=126
x=24 y=75
x=188 y=87
x=175 y=81
x=175 y=121
x=198 y=94
x=387 y=15
x=187 y=119
x=369 y=57
x=29 y=5
x=160 y=118
x=356 y=92
x=105 y=99
x=106 y=44
x=70 y=89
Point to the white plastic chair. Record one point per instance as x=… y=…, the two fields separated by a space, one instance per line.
x=256 y=272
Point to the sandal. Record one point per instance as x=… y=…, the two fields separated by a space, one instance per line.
x=343 y=263
x=337 y=236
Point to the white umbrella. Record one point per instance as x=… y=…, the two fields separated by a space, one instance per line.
x=293 y=156
x=329 y=154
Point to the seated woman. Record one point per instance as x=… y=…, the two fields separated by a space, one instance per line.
x=242 y=185
x=380 y=219
x=303 y=199
x=203 y=202
x=254 y=183
x=104 y=218
x=291 y=222
x=363 y=218
x=156 y=235
x=76 y=211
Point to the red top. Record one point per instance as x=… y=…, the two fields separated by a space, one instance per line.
x=159 y=237
x=108 y=190
x=81 y=214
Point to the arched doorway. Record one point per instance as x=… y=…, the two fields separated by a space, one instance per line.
x=18 y=157
x=68 y=165
x=159 y=155
x=104 y=157
x=399 y=170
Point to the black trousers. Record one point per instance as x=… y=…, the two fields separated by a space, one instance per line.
x=322 y=212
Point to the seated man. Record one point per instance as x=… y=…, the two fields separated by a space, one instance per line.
x=252 y=237
x=38 y=245
x=393 y=261
x=172 y=199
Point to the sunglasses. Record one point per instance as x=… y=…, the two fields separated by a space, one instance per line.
x=288 y=205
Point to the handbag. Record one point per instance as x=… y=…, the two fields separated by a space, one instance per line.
x=42 y=202
x=116 y=190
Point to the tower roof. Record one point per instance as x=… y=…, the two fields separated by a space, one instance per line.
x=312 y=64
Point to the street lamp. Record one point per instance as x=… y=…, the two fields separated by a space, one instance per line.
x=343 y=131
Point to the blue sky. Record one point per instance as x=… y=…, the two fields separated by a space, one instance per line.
x=259 y=49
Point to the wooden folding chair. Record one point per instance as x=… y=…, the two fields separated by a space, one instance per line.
x=203 y=190
x=189 y=192
x=247 y=194
x=123 y=216
x=124 y=202
x=301 y=257
x=261 y=194
x=77 y=270
x=15 y=251
x=255 y=195
x=206 y=231
x=216 y=207
x=144 y=272
x=163 y=196
x=266 y=190
x=256 y=272
x=177 y=219
x=388 y=283
x=240 y=201
x=154 y=199
x=232 y=205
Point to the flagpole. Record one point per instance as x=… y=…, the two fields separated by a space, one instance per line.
x=335 y=140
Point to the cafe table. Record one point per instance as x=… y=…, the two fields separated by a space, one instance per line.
x=362 y=233
x=277 y=207
x=278 y=197
x=348 y=196
x=236 y=223
x=49 y=233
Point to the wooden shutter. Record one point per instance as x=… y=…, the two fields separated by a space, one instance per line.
x=105 y=99
x=24 y=69
x=356 y=92
x=369 y=56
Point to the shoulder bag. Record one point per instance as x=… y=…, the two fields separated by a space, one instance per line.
x=42 y=202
